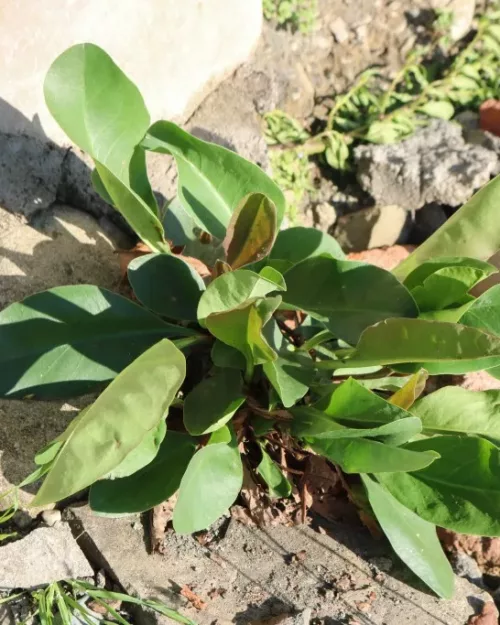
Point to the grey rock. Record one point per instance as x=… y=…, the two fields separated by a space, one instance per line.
x=249 y=564
x=339 y=30
x=30 y=172
x=373 y=227
x=6 y=616
x=434 y=165
x=465 y=566
x=44 y=556
x=51 y=517
x=321 y=215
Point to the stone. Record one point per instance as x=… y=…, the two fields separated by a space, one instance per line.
x=371 y=228
x=387 y=258
x=434 y=165
x=44 y=556
x=320 y=215
x=466 y=566
x=339 y=30
x=51 y=517
x=63 y=246
x=478 y=381
x=30 y=172
x=176 y=52
x=249 y=576
x=6 y=616
x=489 y=116
x=463 y=14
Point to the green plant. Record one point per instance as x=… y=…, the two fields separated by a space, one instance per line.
x=62 y=602
x=379 y=111
x=282 y=337
x=300 y=15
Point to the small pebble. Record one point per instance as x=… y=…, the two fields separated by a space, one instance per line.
x=51 y=517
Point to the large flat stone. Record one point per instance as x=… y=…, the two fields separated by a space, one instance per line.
x=174 y=51
x=44 y=556
x=253 y=574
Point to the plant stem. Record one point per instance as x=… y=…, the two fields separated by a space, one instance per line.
x=189 y=341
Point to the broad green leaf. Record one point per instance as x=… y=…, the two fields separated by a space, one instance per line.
x=213 y=402
x=227 y=357
x=166 y=285
x=451 y=315
x=447 y=287
x=103 y=112
x=212 y=179
x=287 y=374
x=413 y=539
x=222 y=435
x=141 y=455
x=297 y=244
x=390 y=384
x=421 y=273
x=154 y=483
x=65 y=341
x=116 y=423
x=241 y=328
x=484 y=312
x=460 y=491
x=472 y=231
x=353 y=404
x=97 y=106
x=346 y=296
x=273 y=476
x=310 y=423
x=273 y=275
x=133 y=208
x=441 y=109
x=454 y=410
x=440 y=347
x=231 y=290
x=251 y=231
x=362 y=455
x=406 y=396
x=209 y=487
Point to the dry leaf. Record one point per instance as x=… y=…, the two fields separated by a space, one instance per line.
x=321 y=488
x=193 y=598
x=161 y=515
x=199 y=266
x=487 y=616
x=127 y=256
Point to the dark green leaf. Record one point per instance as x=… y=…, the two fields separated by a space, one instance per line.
x=413 y=539
x=313 y=424
x=346 y=296
x=231 y=290
x=209 y=486
x=166 y=285
x=213 y=402
x=299 y=243
x=212 y=179
x=103 y=112
x=421 y=273
x=241 y=328
x=459 y=491
x=447 y=287
x=472 y=231
x=273 y=476
x=454 y=410
x=362 y=455
x=97 y=106
x=63 y=342
x=287 y=374
x=154 y=483
x=353 y=404
x=130 y=407
x=251 y=231
x=225 y=356
x=441 y=347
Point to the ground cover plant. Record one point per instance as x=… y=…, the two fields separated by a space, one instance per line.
x=240 y=335
x=439 y=79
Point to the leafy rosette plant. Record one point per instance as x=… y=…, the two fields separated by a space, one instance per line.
x=278 y=335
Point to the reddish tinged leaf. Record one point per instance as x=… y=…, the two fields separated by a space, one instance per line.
x=251 y=231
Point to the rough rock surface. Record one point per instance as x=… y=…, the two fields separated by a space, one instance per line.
x=174 y=51
x=372 y=227
x=434 y=165
x=45 y=555
x=386 y=258
x=250 y=575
